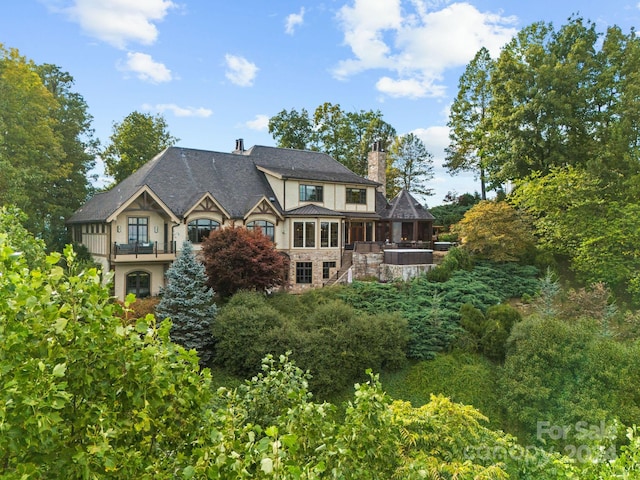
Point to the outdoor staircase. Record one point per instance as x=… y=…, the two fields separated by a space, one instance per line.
x=341 y=275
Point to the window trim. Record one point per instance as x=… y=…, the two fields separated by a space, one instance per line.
x=265 y=228
x=326 y=269
x=138 y=274
x=197 y=229
x=308 y=241
x=332 y=236
x=349 y=196
x=304 y=194
x=304 y=273
x=138 y=226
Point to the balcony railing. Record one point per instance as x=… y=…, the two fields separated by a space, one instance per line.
x=143 y=248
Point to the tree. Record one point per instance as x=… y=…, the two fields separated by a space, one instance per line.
x=38 y=126
x=413 y=163
x=346 y=136
x=469 y=119
x=292 y=129
x=236 y=258
x=12 y=224
x=135 y=141
x=73 y=127
x=496 y=231
x=83 y=396
x=188 y=303
x=542 y=110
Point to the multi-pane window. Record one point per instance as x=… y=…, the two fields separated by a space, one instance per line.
x=304 y=272
x=329 y=234
x=304 y=234
x=200 y=229
x=138 y=229
x=357 y=195
x=139 y=283
x=268 y=229
x=326 y=269
x=311 y=193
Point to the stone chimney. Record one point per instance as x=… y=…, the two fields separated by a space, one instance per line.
x=239 y=146
x=377 y=166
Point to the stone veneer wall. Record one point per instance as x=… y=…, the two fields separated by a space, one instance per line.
x=367 y=265
x=317 y=258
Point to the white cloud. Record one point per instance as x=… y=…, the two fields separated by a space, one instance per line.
x=240 y=71
x=293 y=20
x=436 y=139
x=260 y=123
x=119 y=22
x=411 y=88
x=417 y=40
x=146 y=68
x=179 y=111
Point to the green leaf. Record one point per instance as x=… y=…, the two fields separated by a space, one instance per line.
x=59 y=370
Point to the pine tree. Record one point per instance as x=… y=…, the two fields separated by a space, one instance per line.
x=188 y=302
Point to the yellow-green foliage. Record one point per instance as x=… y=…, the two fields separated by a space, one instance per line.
x=496 y=231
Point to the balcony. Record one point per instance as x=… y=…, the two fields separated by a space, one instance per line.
x=143 y=252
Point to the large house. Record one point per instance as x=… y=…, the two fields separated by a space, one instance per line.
x=313 y=208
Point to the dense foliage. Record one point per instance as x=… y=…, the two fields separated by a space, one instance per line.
x=329 y=338
x=494 y=230
x=432 y=309
x=236 y=258
x=135 y=141
x=346 y=136
x=188 y=303
x=46 y=145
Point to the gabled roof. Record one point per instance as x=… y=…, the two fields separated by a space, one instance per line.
x=404 y=207
x=181 y=177
x=303 y=165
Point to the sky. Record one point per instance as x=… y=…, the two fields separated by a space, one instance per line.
x=218 y=70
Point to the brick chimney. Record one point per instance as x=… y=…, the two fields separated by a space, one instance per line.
x=377 y=166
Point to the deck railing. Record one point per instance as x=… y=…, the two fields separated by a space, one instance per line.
x=143 y=248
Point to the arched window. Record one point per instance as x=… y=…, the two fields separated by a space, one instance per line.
x=200 y=229
x=268 y=229
x=139 y=283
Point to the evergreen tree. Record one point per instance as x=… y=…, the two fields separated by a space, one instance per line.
x=188 y=302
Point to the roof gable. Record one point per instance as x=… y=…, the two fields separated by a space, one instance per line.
x=404 y=207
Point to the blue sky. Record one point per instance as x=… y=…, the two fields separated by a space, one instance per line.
x=217 y=70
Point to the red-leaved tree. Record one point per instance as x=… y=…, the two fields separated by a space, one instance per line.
x=239 y=259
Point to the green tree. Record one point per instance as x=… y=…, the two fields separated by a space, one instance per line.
x=135 y=141
x=496 y=231
x=34 y=166
x=236 y=258
x=292 y=129
x=12 y=223
x=413 y=164
x=73 y=127
x=346 y=136
x=541 y=110
x=469 y=119
x=188 y=303
x=83 y=396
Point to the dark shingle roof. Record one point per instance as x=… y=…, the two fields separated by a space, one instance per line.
x=304 y=165
x=181 y=176
x=405 y=206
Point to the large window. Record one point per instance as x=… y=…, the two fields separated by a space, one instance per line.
x=304 y=272
x=138 y=229
x=311 y=193
x=139 y=283
x=268 y=229
x=200 y=229
x=329 y=234
x=304 y=234
x=357 y=195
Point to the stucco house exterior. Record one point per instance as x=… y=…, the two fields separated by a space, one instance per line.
x=313 y=208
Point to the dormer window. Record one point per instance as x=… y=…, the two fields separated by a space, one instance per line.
x=311 y=193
